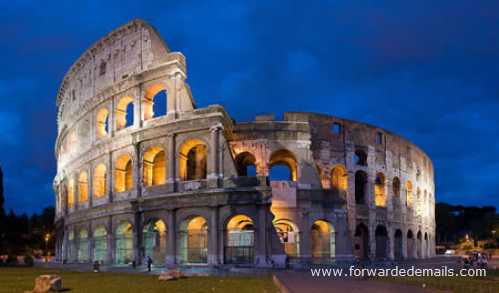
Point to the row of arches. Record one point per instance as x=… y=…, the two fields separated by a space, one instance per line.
x=416 y=246
x=283 y=165
x=154 y=104
x=192 y=166
x=380 y=192
x=192 y=241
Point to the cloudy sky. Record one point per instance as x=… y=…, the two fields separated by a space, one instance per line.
x=427 y=70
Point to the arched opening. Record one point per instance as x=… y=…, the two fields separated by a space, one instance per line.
x=124 y=244
x=83 y=187
x=154 y=167
x=360 y=158
x=239 y=246
x=381 y=236
x=283 y=166
x=396 y=192
x=379 y=190
x=398 y=245
x=100 y=244
x=83 y=246
x=289 y=235
x=193 y=239
x=419 y=244
x=246 y=164
x=100 y=180
x=339 y=178
x=409 y=195
x=193 y=160
x=123 y=174
x=154 y=241
x=102 y=121
x=323 y=240
x=361 y=244
x=360 y=187
x=124 y=113
x=410 y=244
x=155 y=102
x=418 y=202
x=71 y=247
x=71 y=193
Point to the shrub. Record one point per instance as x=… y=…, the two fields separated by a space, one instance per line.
x=28 y=260
x=11 y=259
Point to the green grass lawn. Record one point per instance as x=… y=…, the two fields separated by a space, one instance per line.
x=18 y=280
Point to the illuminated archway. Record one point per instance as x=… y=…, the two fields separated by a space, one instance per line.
x=83 y=187
x=123 y=174
x=410 y=244
x=155 y=101
x=281 y=160
x=339 y=178
x=398 y=244
x=396 y=192
x=71 y=193
x=240 y=240
x=193 y=240
x=124 y=244
x=71 y=247
x=193 y=160
x=100 y=244
x=154 y=241
x=323 y=240
x=409 y=195
x=379 y=190
x=124 y=113
x=100 y=181
x=83 y=246
x=289 y=235
x=154 y=166
x=102 y=121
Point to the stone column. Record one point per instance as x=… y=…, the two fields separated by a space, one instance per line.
x=391 y=243
x=213 y=237
x=91 y=243
x=137 y=111
x=305 y=238
x=110 y=242
x=171 y=243
x=213 y=159
x=110 y=178
x=172 y=103
x=89 y=194
x=171 y=161
x=137 y=237
x=342 y=238
x=137 y=174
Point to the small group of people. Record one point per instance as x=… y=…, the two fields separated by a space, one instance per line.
x=476 y=260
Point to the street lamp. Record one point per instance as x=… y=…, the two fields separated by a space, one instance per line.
x=47 y=239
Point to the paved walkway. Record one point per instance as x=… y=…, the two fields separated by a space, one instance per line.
x=303 y=282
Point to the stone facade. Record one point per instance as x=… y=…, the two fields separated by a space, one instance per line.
x=194 y=187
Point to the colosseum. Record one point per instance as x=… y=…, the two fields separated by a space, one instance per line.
x=143 y=172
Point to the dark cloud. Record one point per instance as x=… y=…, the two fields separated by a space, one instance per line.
x=426 y=70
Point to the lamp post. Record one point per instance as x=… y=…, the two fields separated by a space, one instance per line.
x=47 y=238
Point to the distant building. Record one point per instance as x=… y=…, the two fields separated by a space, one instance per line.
x=143 y=172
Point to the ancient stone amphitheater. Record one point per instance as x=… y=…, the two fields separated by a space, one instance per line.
x=143 y=172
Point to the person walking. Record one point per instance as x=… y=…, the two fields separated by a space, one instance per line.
x=149 y=263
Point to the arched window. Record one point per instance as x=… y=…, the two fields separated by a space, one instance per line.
x=155 y=102
x=154 y=166
x=154 y=239
x=339 y=178
x=100 y=180
x=71 y=194
x=193 y=160
x=100 y=244
x=102 y=122
x=323 y=240
x=409 y=195
x=360 y=187
x=379 y=190
x=239 y=246
x=123 y=175
x=245 y=163
x=124 y=113
x=283 y=166
x=396 y=191
x=360 y=158
x=124 y=243
x=193 y=240
x=83 y=187
x=83 y=246
x=289 y=235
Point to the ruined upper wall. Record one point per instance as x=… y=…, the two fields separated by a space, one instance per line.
x=128 y=50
